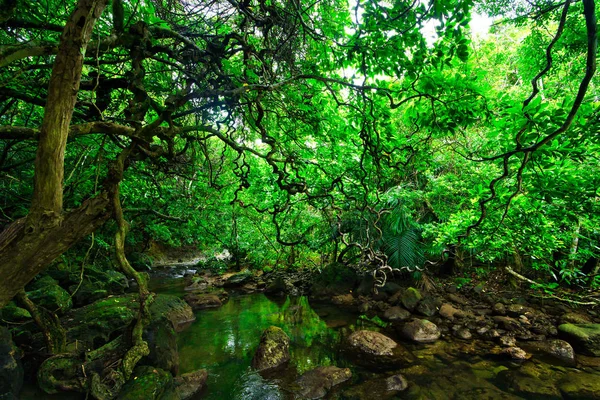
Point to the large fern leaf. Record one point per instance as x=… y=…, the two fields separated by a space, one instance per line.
x=403 y=249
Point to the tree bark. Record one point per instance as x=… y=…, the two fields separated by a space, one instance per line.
x=28 y=245
x=23 y=256
x=46 y=207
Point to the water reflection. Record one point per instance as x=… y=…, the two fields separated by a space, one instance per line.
x=224 y=341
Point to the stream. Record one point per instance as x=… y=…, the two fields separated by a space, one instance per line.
x=224 y=341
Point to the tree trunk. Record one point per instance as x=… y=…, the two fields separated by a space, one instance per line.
x=23 y=256
x=28 y=245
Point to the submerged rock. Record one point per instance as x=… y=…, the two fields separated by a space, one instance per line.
x=531 y=387
x=421 y=331
x=580 y=386
x=584 y=338
x=315 y=383
x=375 y=350
x=384 y=388
x=190 y=384
x=273 y=350
x=11 y=371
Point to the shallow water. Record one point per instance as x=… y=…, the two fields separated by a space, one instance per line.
x=224 y=340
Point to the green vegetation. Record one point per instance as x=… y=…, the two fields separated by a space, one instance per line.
x=275 y=135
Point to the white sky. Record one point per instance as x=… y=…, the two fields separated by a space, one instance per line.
x=480 y=25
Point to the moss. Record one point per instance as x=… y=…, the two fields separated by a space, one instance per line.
x=52 y=297
x=171 y=307
x=579 y=385
x=148 y=383
x=585 y=338
x=12 y=313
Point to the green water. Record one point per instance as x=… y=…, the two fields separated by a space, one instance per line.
x=224 y=341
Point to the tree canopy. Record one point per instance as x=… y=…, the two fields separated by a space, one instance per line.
x=285 y=129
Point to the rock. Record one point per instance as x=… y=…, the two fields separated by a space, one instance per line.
x=148 y=383
x=162 y=343
x=457 y=299
x=421 y=331
x=315 y=383
x=428 y=307
x=334 y=279
x=560 y=349
x=12 y=313
x=364 y=307
x=499 y=309
x=507 y=341
x=584 y=338
x=518 y=310
x=384 y=388
x=97 y=284
x=46 y=293
x=508 y=323
x=580 y=386
x=365 y=286
x=174 y=309
x=531 y=387
x=410 y=298
x=375 y=350
x=574 y=318
x=239 y=279
x=190 y=384
x=449 y=312
x=276 y=287
x=11 y=370
x=343 y=300
x=203 y=301
x=273 y=349
x=516 y=353
x=100 y=321
x=463 y=333
x=396 y=313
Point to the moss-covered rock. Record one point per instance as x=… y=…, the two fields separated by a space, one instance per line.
x=12 y=313
x=149 y=383
x=585 y=338
x=315 y=383
x=162 y=342
x=97 y=323
x=410 y=298
x=383 y=388
x=273 y=350
x=174 y=309
x=190 y=384
x=580 y=386
x=46 y=292
x=11 y=371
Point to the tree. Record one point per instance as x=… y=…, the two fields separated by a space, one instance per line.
x=289 y=111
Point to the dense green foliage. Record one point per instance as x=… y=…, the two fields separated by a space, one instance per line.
x=293 y=133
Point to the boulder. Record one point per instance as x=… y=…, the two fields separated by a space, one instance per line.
x=239 y=279
x=203 y=301
x=273 y=349
x=559 y=349
x=12 y=313
x=421 y=331
x=450 y=312
x=585 y=338
x=162 y=343
x=174 y=309
x=374 y=350
x=499 y=309
x=428 y=307
x=45 y=292
x=149 y=383
x=530 y=387
x=575 y=318
x=276 y=287
x=190 y=384
x=345 y=300
x=396 y=313
x=580 y=386
x=315 y=383
x=11 y=370
x=410 y=298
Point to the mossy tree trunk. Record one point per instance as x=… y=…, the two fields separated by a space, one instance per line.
x=28 y=245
